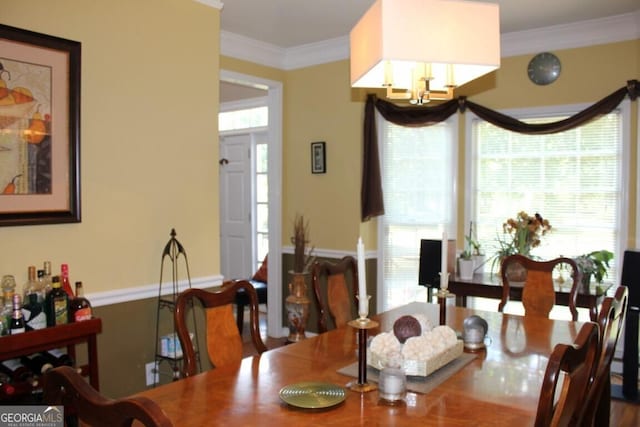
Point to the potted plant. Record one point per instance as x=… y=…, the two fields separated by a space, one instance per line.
x=594 y=264
x=520 y=235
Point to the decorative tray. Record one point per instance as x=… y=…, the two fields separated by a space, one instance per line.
x=421 y=368
x=312 y=395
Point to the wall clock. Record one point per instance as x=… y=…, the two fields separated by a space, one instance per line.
x=544 y=68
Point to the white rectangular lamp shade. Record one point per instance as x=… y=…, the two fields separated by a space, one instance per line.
x=410 y=33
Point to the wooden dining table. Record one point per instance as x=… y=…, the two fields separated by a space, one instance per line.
x=500 y=386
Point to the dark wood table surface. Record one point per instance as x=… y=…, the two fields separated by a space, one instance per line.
x=487 y=285
x=500 y=386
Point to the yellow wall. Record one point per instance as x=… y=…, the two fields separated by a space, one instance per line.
x=319 y=105
x=149 y=105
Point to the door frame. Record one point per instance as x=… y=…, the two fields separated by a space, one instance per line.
x=275 y=326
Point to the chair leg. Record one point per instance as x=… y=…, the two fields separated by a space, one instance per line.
x=240 y=317
x=603 y=412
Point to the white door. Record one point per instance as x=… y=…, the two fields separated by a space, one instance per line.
x=235 y=206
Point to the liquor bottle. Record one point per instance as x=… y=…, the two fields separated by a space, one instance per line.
x=8 y=289
x=57 y=304
x=47 y=277
x=30 y=285
x=66 y=284
x=40 y=286
x=17 y=325
x=33 y=313
x=37 y=363
x=80 y=307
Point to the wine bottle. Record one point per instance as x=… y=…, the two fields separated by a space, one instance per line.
x=34 y=314
x=57 y=304
x=66 y=284
x=80 y=307
x=57 y=357
x=17 y=325
x=37 y=363
x=15 y=370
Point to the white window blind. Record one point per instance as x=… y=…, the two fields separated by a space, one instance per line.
x=573 y=179
x=418 y=174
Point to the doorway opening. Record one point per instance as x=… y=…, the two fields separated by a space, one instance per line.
x=259 y=180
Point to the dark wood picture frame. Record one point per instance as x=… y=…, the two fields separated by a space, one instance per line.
x=318 y=157
x=40 y=124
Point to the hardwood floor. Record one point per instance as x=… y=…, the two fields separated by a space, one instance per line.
x=623 y=414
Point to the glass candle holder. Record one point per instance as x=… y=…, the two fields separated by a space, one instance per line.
x=392 y=384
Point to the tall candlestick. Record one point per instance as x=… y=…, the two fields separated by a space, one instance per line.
x=443 y=258
x=363 y=298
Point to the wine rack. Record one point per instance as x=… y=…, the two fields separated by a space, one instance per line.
x=172 y=252
x=69 y=335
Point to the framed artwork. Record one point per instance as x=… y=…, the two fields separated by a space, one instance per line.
x=39 y=128
x=318 y=157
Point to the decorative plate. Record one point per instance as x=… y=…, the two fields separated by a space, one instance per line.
x=312 y=395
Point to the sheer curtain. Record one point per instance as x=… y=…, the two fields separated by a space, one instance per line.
x=418 y=170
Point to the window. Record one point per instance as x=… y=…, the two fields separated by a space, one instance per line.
x=243 y=119
x=418 y=167
x=576 y=179
x=261 y=200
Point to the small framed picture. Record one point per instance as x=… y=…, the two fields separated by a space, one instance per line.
x=318 y=157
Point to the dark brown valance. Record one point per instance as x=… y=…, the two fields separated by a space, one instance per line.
x=371 y=188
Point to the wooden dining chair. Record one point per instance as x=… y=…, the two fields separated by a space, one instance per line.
x=335 y=286
x=570 y=365
x=538 y=293
x=610 y=320
x=65 y=386
x=224 y=343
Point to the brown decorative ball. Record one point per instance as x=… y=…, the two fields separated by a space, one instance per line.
x=406 y=327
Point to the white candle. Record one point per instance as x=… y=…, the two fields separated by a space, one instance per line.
x=363 y=299
x=443 y=258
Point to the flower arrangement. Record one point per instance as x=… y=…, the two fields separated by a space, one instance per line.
x=301 y=258
x=521 y=235
x=594 y=264
x=525 y=233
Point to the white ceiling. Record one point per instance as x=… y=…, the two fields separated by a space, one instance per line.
x=288 y=34
x=290 y=23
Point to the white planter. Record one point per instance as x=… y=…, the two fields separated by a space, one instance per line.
x=478 y=263
x=465 y=268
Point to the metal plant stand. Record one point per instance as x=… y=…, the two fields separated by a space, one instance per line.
x=166 y=304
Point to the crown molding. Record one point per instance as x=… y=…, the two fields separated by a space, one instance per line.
x=317 y=53
x=245 y=48
x=216 y=4
x=568 y=36
x=579 y=34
